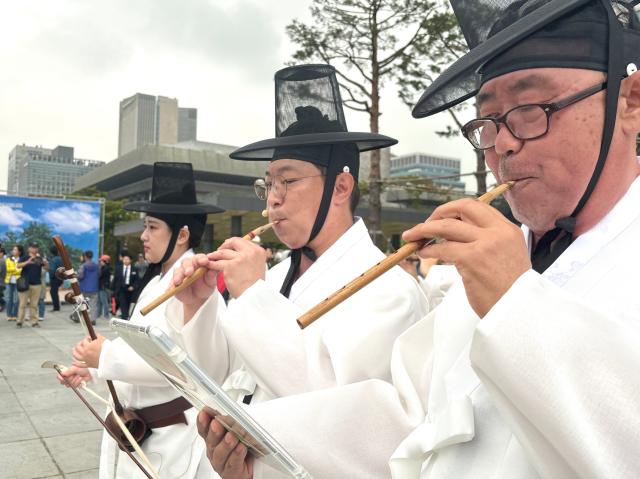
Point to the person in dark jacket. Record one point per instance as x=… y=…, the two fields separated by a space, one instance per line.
x=125 y=280
x=104 y=285
x=88 y=274
x=3 y=274
x=54 y=282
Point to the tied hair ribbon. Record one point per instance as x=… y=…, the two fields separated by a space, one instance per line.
x=296 y=258
x=552 y=244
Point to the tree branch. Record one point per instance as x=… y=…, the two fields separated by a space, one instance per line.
x=353 y=98
x=356 y=84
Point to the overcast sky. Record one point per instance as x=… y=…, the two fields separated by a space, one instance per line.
x=66 y=64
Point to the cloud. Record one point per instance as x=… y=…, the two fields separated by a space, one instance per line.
x=77 y=218
x=105 y=37
x=13 y=217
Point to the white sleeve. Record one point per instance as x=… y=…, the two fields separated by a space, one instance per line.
x=437 y=283
x=348 y=431
x=118 y=361
x=360 y=337
x=261 y=326
x=202 y=337
x=565 y=377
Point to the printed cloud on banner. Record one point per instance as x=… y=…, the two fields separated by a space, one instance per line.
x=77 y=218
x=25 y=220
x=13 y=218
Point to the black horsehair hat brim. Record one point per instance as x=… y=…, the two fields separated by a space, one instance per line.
x=463 y=71
x=264 y=150
x=172 y=209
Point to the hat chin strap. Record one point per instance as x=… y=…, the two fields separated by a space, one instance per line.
x=548 y=250
x=155 y=269
x=321 y=216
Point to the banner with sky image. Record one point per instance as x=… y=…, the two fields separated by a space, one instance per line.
x=25 y=220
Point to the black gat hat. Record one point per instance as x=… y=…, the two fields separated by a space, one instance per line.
x=310 y=126
x=308 y=112
x=510 y=35
x=173 y=191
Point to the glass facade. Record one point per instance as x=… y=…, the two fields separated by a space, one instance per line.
x=444 y=171
x=42 y=171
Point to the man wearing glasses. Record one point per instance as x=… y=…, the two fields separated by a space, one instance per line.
x=529 y=366
x=311 y=191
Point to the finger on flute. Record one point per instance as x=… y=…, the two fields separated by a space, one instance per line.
x=382 y=267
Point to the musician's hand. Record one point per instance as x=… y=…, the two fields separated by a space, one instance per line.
x=228 y=457
x=488 y=250
x=195 y=295
x=75 y=376
x=86 y=354
x=243 y=263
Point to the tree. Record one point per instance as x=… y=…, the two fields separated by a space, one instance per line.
x=37 y=233
x=9 y=240
x=371 y=42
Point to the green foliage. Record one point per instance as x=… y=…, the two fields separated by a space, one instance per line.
x=113 y=214
x=39 y=234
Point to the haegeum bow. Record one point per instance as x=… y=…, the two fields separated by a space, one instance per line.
x=123 y=425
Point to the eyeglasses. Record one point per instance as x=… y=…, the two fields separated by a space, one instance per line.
x=277 y=186
x=524 y=122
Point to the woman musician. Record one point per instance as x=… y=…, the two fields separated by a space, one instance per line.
x=173 y=226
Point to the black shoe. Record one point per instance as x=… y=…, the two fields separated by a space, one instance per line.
x=35 y=325
x=93 y=322
x=18 y=325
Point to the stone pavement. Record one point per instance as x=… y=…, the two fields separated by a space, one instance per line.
x=45 y=431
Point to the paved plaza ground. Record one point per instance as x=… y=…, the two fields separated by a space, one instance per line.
x=45 y=431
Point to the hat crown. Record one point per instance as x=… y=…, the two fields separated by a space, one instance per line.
x=173 y=183
x=477 y=18
x=308 y=101
x=510 y=35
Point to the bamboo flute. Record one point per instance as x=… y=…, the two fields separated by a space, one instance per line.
x=199 y=273
x=382 y=267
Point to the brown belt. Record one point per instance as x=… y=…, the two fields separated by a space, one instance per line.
x=165 y=414
x=140 y=422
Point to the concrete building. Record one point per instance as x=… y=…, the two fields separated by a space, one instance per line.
x=444 y=171
x=34 y=170
x=149 y=120
x=187 y=124
x=137 y=122
x=221 y=181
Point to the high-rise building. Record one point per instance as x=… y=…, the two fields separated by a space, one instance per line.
x=34 y=170
x=187 y=124
x=444 y=171
x=149 y=120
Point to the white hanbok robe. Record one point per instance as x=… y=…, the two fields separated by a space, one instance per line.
x=175 y=451
x=545 y=385
x=351 y=343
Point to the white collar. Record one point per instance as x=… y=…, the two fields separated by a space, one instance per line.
x=356 y=233
x=588 y=244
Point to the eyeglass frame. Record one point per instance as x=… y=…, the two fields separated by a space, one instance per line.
x=285 y=182
x=548 y=108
